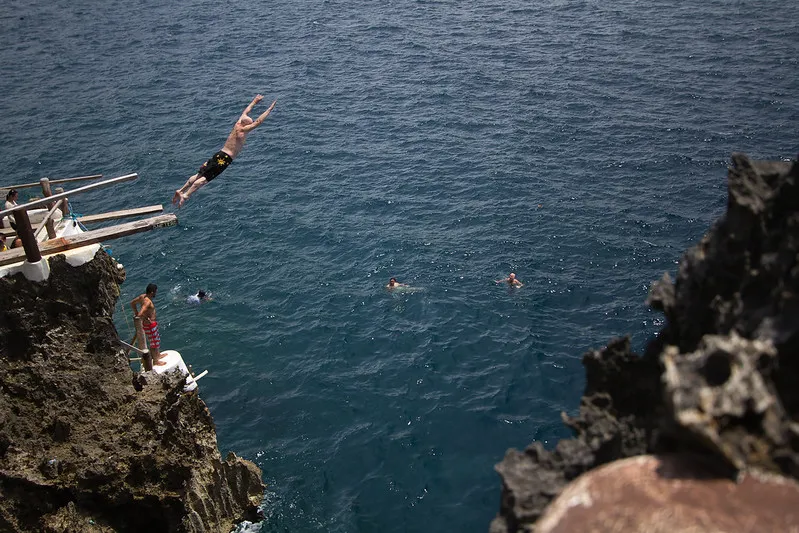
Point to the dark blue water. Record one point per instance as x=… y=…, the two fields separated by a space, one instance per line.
x=581 y=144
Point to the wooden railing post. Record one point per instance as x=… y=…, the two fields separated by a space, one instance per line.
x=64 y=202
x=49 y=224
x=25 y=232
x=146 y=358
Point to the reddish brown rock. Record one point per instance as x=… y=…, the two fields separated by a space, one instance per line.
x=672 y=494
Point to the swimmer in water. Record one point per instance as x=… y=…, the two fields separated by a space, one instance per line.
x=393 y=284
x=510 y=280
x=199 y=298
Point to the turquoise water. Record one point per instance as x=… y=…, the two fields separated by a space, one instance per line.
x=581 y=145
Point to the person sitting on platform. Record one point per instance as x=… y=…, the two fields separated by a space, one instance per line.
x=11 y=201
x=223 y=158
x=3 y=246
x=147 y=314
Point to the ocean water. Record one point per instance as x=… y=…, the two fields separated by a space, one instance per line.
x=581 y=144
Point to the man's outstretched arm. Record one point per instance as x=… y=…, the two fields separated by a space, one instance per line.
x=260 y=119
x=258 y=98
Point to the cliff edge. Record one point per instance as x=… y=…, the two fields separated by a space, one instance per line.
x=716 y=390
x=81 y=450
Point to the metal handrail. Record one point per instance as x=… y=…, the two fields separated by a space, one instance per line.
x=62 y=180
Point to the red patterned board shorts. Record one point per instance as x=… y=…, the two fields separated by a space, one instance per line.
x=153 y=336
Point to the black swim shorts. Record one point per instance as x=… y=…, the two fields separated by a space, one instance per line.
x=214 y=166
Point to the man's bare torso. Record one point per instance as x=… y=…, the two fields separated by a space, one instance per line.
x=235 y=141
x=148 y=310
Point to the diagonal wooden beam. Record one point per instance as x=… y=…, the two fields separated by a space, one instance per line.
x=47 y=218
x=63 y=244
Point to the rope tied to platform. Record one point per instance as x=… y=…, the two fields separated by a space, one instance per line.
x=75 y=216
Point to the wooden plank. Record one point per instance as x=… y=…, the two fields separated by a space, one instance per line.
x=103 y=217
x=113 y=215
x=44 y=201
x=63 y=244
x=62 y=180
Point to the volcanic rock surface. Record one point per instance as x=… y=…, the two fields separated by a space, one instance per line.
x=719 y=382
x=81 y=450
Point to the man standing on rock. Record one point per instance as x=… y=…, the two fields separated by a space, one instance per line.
x=147 y=314
x=223 y=158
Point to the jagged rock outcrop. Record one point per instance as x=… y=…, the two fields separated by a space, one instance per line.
x=721 y=379
x=80 y=448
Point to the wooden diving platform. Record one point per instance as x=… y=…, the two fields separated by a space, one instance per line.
x=32 y=250
x=62 y=244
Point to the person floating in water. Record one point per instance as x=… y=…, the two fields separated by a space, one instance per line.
x=393 y=284
x=147 y=314
x=510 y=280
x=199 y=298
x=223 y=158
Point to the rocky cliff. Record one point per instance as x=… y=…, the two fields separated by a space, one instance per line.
x=81 y=450
x=717 y=389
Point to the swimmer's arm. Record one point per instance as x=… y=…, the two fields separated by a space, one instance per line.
x=255 y=100
x=260 y=119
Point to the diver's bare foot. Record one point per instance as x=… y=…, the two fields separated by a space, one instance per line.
x=159 y=362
